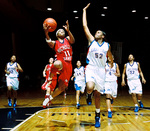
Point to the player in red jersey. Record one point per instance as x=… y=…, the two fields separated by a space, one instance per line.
x=46 y=73
x=63 y=64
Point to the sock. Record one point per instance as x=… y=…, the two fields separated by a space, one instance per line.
x=97 y=113
x=47 y=96
x=15 y=100
x=109 y=110
x=136 y=104
x=9 y=99
x=97 y=110
x=77 y=102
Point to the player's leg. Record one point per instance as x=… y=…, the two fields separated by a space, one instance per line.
x=108 y=92
x=47 y=97
x=77 y=98
x=9 y=88
x=56 y=67
x=139 y=92
x=132 y=87
x=65 y=94
x=60 y=89
x=15 y=87
x=108 y=103
x=139 y=100
x=135 y=102
x=15 y=98
x=97 y=105
x=89 y=89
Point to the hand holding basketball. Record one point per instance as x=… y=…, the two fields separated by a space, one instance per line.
x=49 y=24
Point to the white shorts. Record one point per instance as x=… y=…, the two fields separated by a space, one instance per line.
x=111 y=88
x=13 y=82
x=135 y=86
x=96 y=75
x=80 y=85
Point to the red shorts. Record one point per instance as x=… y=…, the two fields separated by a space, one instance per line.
x=51 y=86
x=65 y=73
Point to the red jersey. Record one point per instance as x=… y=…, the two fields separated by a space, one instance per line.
x=48 y=70
x=63 y=50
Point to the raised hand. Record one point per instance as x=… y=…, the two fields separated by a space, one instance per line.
x=66 y=26
x=86 y=6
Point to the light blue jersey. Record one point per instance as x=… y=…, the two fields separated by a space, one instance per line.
x=97 y=54
x=12 y=69
x=132 y=71
x=110 y=72
x=79 y=74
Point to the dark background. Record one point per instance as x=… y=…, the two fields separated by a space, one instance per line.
x=21 y=32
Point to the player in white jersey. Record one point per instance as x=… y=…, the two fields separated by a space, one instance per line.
x=96 y=60
x=111 y=84
x=12 y=73
x=133 y=72
x=79 y=81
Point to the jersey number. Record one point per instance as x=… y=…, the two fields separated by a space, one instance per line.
x=131 y=72
x=67 y=53
x=97 y=55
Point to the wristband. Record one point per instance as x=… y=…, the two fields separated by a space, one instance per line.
x=48 y=40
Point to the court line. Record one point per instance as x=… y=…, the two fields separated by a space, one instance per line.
x=19 y=120
x=57 y=120
x=120 y=123
x=145 y=121
x=22 y=123
x=6 y=128
x=71 y=112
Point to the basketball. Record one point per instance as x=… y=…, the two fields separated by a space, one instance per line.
x=50 y=22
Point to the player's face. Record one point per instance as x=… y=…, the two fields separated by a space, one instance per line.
x=51 y=60
x=130 y=58
x=78 y=63
x=109 y=58
x=13 y=58
x=99 y=35
x=61 y=33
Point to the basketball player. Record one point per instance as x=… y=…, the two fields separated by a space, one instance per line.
x=46 y=73
x=133 y=72
x=96 y=60
x=63 y=64
x=12 y=73
x=111 y=84
x=79 y=83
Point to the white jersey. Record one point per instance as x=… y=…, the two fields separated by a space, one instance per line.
x=97 y=54
x=12 y=70
x=110 y=76
x=79 y=74
x=132 y=71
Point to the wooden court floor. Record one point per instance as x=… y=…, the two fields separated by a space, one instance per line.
x=63 y=115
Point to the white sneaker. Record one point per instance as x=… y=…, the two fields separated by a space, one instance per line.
x=45 y=102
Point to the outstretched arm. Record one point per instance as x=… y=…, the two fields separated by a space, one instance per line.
x=85 y=27
x=50 y=42
x=70 y=37
x=141 y=74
